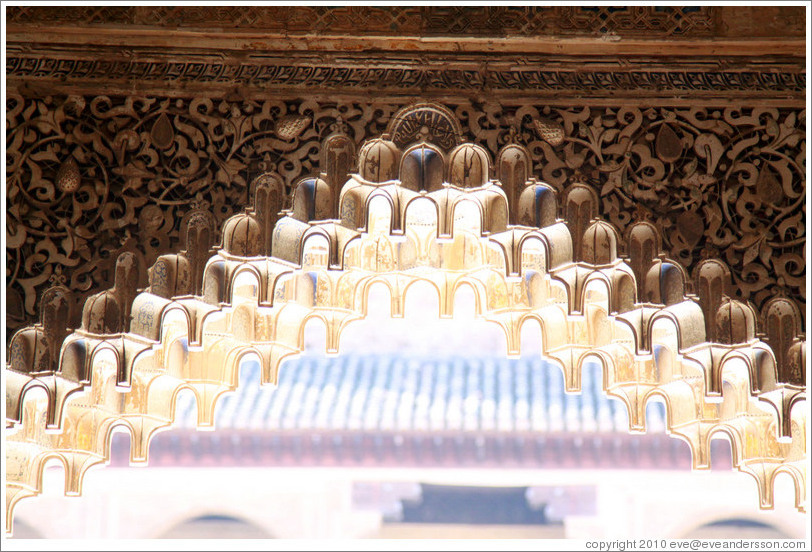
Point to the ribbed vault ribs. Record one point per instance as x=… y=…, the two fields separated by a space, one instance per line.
x=415 y=205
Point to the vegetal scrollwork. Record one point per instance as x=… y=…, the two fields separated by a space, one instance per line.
x=89 y=177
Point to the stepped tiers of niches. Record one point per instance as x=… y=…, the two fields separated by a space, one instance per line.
x=530 y=254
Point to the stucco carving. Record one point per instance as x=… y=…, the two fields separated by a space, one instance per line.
x=701 y=352
x=89 y=177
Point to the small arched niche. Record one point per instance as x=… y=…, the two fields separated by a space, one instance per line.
x=379 y=217
x=315 y=252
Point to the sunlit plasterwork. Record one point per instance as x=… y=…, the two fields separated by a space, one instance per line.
x=429 y=212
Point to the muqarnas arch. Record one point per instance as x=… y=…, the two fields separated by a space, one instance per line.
x=400 y=214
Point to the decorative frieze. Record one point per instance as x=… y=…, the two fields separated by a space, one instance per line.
x=395 y=20
x=143 y=70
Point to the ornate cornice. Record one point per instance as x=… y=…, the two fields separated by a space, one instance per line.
x=190 y=73
x=617 y=54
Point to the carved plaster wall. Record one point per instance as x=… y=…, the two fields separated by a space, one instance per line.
x=89 y=177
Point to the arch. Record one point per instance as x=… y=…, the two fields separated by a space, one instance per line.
x=122 y=376
x=672 y=416
x=167 y=312
x=215 y=526
x=757 y=365
x=662 y=315
x=242 y=236
x=782 y=324
x=40 y=463
x=599 y=244
x=316 y=249
x=242 y=272
x=312 y=199
x=50 y=396
x=737 y=520
x=344 y=257
x=554 y=325
x=268 y=193
x=765 y=370
x=311 y=233
x=797 y=480
x=119 y=425
x=530 y=238
x=734 y=375
x=467 y=205
x=379 y=255
x=579 y=208
x=235 y=358
x=174 y=398
x=729 y=433
x=711 y=283
x=478 y=289
x=528 y=320
x=496 y=257
x=643 y=246
x=337 y=160
x=665 y=283
x=420 y=283
x=422 y=168
x=594 y=282
x=560 y=245
x=416 y=203
x=501 y=255
x=177 y=356
x=513 y=168
x=604 y=360
x=168 y=275
x=379 y=160
x=468 y=166
x=303 y=326
x=663 y=332
x=379 y=197
x=674 y=283
x=390 y=303
x=495 y=209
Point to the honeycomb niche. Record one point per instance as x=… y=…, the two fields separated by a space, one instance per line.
x=417 y=204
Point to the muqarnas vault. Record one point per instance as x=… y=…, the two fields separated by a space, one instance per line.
x=417 y=204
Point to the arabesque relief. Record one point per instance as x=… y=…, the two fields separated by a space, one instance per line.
x=90 y=177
